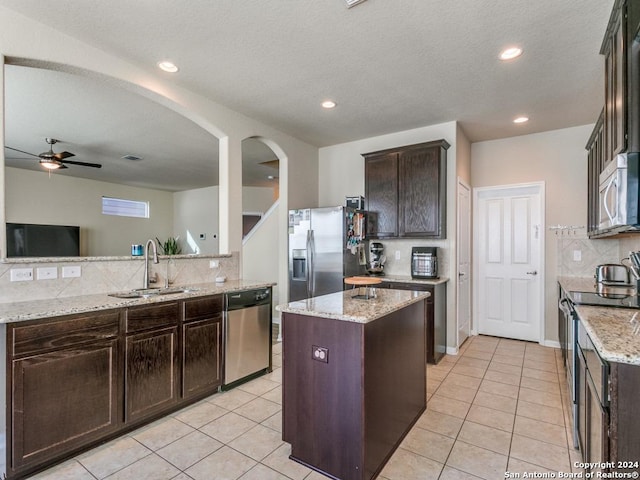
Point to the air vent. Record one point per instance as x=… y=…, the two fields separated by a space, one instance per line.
x=353 y=3
x=131 y=157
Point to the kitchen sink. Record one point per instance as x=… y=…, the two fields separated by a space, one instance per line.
x=152 y=292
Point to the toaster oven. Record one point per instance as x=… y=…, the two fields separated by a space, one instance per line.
x=424 y=262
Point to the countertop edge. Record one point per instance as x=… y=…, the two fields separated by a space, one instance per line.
x=304 y=307
x=606 y=325
x=56 y=307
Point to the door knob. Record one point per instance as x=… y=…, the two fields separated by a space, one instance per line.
x=532 y=273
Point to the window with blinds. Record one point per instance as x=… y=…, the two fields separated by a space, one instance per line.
x=125 y=208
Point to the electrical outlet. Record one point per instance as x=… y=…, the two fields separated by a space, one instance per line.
x=320 y=354
x=214 y=263
x=21 y=274
x=397 y=254
x=46 y=273
x=577 y=255
x=71 y=271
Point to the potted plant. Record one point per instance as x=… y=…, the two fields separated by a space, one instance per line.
x=170 y=246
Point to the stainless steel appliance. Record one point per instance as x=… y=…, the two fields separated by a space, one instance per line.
x=377 y=259
x=247 y=335
x=618 y=194
x=612 y=274
x=567 y=329
x=424 y=262
x=325 y=245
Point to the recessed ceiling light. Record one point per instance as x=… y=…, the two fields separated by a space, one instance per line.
x=510 y=53
x=521 y=119
x=328 y=104
x=168 y=66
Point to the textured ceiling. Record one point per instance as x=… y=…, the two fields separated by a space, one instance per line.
x=389 y=65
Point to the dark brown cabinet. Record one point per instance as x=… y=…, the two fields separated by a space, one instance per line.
x=151 y=360
x=608 y=425
x=595 y=164
x=617 y=130
x=202 y=346
x=435 y=315
x=76 y=380
x=381 y=193
x=405 y=191
x=614 y=50
x=344 y=415
x=64 y=387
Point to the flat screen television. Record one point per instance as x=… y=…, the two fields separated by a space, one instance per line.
x=31 y=240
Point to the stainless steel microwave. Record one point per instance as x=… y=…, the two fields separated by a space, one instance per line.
x=618 y=195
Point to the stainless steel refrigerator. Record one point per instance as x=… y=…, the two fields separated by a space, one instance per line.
x=325 y=245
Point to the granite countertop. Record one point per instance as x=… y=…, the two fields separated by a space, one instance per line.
x=38 y=309
x=410 y=279
x=342 y=305
x=615 y=332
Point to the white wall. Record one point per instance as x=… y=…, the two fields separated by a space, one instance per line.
x=341 y=174
x=257 y=199
x=557 y=158
x=258 y=260
x=23 y=40
x=195 y=212
x=34 y=197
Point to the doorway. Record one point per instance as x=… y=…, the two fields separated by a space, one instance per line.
x=509 y=261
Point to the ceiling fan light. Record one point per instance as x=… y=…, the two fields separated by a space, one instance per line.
x=50 y=164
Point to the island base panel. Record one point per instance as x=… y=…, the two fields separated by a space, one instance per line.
x=346 y=416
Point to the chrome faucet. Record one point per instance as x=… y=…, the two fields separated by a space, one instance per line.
x=146 y=261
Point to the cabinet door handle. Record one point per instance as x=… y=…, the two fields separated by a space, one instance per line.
x=532 y=273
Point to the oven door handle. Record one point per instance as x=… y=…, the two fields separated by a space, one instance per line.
x=606 y=199
x=564 y=305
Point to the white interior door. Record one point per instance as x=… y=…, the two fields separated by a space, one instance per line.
x=464 y=262
x=509 y=252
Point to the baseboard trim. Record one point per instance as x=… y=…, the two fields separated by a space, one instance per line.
x=550 y=343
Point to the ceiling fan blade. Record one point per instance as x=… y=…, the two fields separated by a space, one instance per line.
x=83 y=164
x=63 y=155
x=21 y=151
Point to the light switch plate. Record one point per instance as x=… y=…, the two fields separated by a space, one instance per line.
x=21 y=274
x=46 y=273
x=577 y=255
x=71 y=271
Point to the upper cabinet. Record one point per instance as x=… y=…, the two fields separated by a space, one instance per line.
x=617 y=130
x=405 y=191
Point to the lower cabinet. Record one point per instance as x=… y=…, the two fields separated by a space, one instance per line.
x=151 y=360
x=76 y=380
x=436 y=315
x=64 y=387
x=202 y=349
x=608 y=423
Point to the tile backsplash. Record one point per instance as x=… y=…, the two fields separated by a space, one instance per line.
x=578 y=256
x=111 y=274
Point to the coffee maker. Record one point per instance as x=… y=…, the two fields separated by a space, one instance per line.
x=376 y=259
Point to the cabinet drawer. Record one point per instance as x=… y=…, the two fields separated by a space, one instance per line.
x=63 y=332
x=152 y=316
x=207 y=307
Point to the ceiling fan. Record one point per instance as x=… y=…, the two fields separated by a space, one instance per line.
x=53 y=161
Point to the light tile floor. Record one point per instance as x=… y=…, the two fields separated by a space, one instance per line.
x=498 y=406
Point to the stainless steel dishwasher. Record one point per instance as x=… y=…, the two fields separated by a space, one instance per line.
x=247 y=335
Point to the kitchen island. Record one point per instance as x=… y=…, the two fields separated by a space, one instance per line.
x=354 y=378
